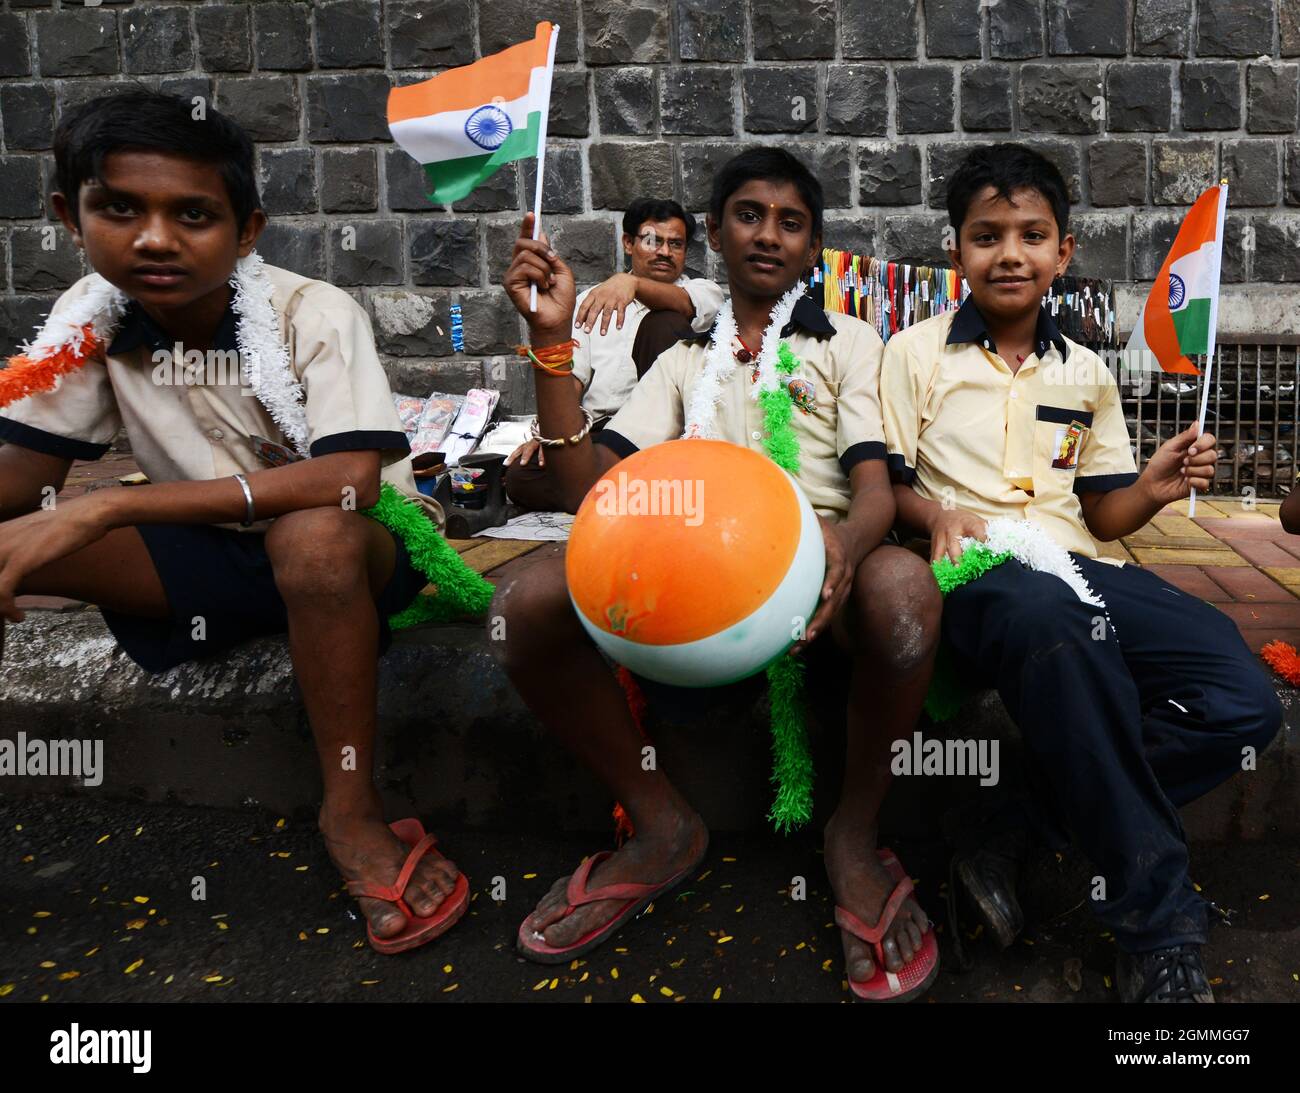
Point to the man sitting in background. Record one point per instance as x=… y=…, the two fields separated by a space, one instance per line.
x=621 y=325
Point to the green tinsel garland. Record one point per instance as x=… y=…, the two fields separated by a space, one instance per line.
x=461 y=591
x=946 y=693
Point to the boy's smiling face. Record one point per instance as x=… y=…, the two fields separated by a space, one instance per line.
x=1009 y=251
x=765 y=238
x=160 y=227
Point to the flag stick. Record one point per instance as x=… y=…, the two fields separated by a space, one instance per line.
x=1208 y=378
x=541 y=152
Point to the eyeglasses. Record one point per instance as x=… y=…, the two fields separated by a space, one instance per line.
x=652 y=242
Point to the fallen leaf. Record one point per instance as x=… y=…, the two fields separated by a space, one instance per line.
x=131 y=967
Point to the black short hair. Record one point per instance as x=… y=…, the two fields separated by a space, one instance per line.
x=1007 y=168
x=769 y=165
x=148 y=120
x=656 y=208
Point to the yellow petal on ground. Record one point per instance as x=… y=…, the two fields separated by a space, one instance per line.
x=1106 y=979
x=613 y=973
x=27 y=858
x=222 y=926
x=41 y=914
x=168 y=980
x=92 y=952
x=279 y=824
x=369 y=982
x=802 y=945
x=31 y=929
x=140 y=899
x=68 y=975
x=6 y=988
x=717 y=993
x=539 y=986
x=302 y=936
x=637 y=998
x=727 y=937
x=137 y=924
x=1196 y=886
x=1263 y=897
x=132 y=967
x=322 y=929
x=48 y=964
x=447 y=969
x=139 y=829
x=282 y=854
x=583 y=977
x=826 y=965
x=214 y=978
x=666 y=992
x=555 y=983
x=728 y=859
x=1017 y=987
x=17 y=827
x=301 y=868
x=103 y=839
x=453 y=987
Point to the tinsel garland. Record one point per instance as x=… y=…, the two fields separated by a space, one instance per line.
x=1283 y=659
x=460 y=591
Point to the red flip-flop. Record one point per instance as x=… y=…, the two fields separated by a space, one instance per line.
x=417 y=930
x=915 y=977
x=636 y=897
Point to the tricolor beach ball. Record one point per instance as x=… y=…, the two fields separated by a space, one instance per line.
x=695 y=562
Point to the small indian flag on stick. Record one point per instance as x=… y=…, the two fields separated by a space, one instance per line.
x=1178 y=319
x=465 y=123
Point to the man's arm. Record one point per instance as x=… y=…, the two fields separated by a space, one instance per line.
x=614 y=295
x=24 y=475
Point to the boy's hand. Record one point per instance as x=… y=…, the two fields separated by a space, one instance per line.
x=949 y=528
x=1180 y=465
x=610 y=296
x=35 y=540
x=836 y=585
x=525 y=452
x=534 y=263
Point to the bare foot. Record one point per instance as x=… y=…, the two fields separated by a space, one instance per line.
x=647 y=858
x=862 y=886
x=363 y=848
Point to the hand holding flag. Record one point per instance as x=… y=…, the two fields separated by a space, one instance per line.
x=1180 y=465
x=537 y=272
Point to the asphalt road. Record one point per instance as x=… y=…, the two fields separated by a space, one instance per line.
x=96 y=905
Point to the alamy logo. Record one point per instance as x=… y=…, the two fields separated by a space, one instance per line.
x=82 y=759
x=954 y=758
x=78 y=1045
x=651 y=497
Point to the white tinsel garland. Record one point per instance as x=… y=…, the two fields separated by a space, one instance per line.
x=1033 y=547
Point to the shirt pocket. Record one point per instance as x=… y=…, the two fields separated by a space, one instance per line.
x=1059 y=435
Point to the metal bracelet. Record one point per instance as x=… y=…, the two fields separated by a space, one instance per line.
x=535 y=433
x=248 y=520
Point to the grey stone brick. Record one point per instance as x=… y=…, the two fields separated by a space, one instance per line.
x=1211 y=95
x=266 y=106
x=697 y=100
x=500 y=25
x=1153 y=235
x=1162 y=28
x=623 y=171
x=443 y=251
x=562 y=187
x=406 y=183
x=942 y=159
x=1252 y=168
x=69 y=94
x=889 y=173
x=1231 y=28
x=700 y=162
x=916 y=238
x=39 y=270
x=396 y=321
x=225 y=38
x=865 y=35
x=187 y=87
x=952 y=27
x=1139 y=97
x=1117 y=172
x=856 y=234
x=985 y=97
x=14 y=57
x=1067 y=157
x=349 y=180
x=1233 y=268
x=287 y=181
x=77 y=43
x=365 y=252
x=831 y=164
x=780 y=99
x=347 y=34
x=625 y=31
x=157 y=39
x=455 y=375
x=282 y=36
x=352 y=107
x=21 y=189
x=625 y=101
x=570 y=112
x=28 y=112
x=299 y=248
x=1293 y=172
x=802 y=34
x=1273 y=95
x=857 y=99
x=1096 y=28
x=498 y=191
x=418 y=34
x=1102 y=245
x=20 y=318
x=589 y=244
x=711 y=30
x=1181 y=170
x=1059 y=98
x=924 y=97
x=1277 y=247
x=1016 y=29
x=492 y=325
x=1288 y=27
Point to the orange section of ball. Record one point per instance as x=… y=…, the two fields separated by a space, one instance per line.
x=722 y=551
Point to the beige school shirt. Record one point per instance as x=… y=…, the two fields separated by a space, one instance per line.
x=839 y=366
x=962 y=426
x=202 y=430
x=603 y=363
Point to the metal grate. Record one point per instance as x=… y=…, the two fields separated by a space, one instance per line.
x=1253 y=411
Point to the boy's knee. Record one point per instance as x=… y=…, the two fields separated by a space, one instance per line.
x=897 y=608
x=317 y=553
x=528 y=613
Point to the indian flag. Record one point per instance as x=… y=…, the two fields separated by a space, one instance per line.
x=466 y=122
x=1178 y=319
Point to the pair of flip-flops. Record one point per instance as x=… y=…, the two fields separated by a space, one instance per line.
x=418 y=929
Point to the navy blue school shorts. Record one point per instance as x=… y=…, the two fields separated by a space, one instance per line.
x=224 y=577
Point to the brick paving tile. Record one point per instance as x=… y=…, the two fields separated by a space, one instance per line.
x=1243 y=527
x=1256 y=616
x=1256 y=639
x=1184 y=556
x=1288 y=578
x=1291 y=544
x=1248 y=585
x=1237 y=508
x=1194 y=581
x=1262 y=554
x=1180 y=526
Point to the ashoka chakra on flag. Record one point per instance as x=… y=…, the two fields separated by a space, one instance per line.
x=488 y=126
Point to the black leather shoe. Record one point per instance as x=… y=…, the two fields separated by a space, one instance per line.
x=1163 y=975
x=988 y=875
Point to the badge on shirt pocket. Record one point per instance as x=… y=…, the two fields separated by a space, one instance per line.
x=1066 y=446
x=1060 y=433
x=803 y=393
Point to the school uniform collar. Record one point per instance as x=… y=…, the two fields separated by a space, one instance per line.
x=968 y=326
x=808 y=316
x=137 y=329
